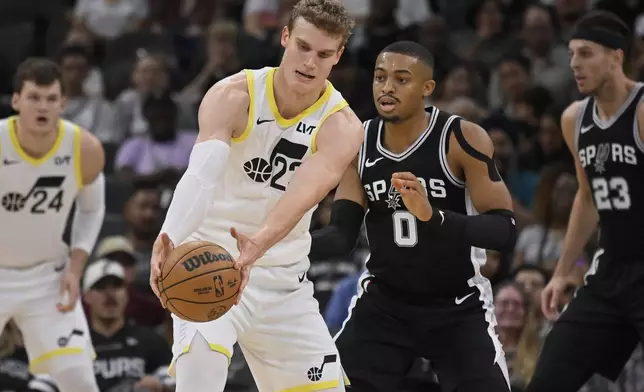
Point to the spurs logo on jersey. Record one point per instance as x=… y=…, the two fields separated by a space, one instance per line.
x=36 y=195
x=262 y=162
x=376 y=189
x=610 y=152
x=598 y=155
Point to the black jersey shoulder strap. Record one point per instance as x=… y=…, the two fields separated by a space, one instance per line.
x=371 y=128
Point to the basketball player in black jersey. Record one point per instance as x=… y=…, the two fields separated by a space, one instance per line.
x=421 y=174
x=600 y=327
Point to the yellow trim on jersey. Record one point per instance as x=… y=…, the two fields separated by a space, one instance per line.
x=289 y=122
x=213 y=346
x=26 y=157
x=53 y=354
x=78 y=171
x=341 y=105
x=316 y=386
x=250 y=81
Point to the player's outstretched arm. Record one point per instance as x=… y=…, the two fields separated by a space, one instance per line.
x=339 y=237
x=471 y=152
x=583 y=216
x=88 y=215
x=338 y=142
x=222 y=113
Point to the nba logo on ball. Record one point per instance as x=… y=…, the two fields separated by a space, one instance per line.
x=199 y=282
x=219 y=286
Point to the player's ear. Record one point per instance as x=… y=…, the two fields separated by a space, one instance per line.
x=285 y=35
x=63 y=103
x=338 y=55
x=15 y=99
x=428 y=87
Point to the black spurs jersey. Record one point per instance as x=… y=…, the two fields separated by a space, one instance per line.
x=612 y=155
x=127 y=356
x=402 y=257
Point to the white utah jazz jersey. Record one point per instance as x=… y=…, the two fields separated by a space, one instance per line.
x=261 y=164
x=36 y=196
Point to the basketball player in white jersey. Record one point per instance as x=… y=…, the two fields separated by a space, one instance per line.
x=272 y=143
x=47 y=164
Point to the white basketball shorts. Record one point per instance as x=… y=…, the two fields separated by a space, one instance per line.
x=280 y=331
x=29 y=297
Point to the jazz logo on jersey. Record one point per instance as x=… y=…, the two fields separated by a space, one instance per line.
x=314 y=374
x=40 y=193
x=284 y=159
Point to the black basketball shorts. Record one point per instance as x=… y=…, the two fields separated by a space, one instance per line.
x=383 y=336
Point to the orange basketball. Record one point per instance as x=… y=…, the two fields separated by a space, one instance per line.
x=198 y=282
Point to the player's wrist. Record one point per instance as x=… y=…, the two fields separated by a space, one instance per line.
x=427 y=214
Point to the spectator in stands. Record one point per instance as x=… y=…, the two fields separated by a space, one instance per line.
x=162 y=155
x=519 y=332
x=520 y=183
x=108 y=19
x=149 y=77
x=461 y=81
x=532 y=279
x=90 y=112
x=222 y=60
x=143 y=216
x=550 y=147
x=513 y=76
x=94 y=84
x=14 y=365
x=142 y=308
x=541 y=243
x=435 y=36
x=549 y=56
x=128 y=357
x=486 y=41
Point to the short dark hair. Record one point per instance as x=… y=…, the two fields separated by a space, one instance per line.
x=39 y=70
x=517 y=58
x=71 y=51
x=412 y=49
x=604 y=20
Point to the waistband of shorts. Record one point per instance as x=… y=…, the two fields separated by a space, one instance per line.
x=421 y=299
x=28 y=266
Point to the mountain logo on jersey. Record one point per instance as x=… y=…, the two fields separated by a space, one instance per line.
x=40 y=193
x=393 y=197
x=284 y=159
x=603 y=152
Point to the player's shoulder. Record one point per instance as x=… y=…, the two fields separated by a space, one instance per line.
x=571 y=112
x=231 y=89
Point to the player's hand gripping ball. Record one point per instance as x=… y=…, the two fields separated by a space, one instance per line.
x=198 y=282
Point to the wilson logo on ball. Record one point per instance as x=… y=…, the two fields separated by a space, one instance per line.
x=205 y=258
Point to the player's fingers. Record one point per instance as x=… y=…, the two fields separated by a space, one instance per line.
x=404 y=176
x=233 y=232
x=407 y=185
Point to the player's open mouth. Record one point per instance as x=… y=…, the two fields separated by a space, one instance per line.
x=387 y=104
x=305 y=76
x=41 y=120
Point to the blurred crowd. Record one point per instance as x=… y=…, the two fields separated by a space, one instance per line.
x=135 y=72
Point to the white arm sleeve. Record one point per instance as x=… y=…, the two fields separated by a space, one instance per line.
x=195 y=192
x=89 y=214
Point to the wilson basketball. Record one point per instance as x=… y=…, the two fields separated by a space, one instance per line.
x=198 y=282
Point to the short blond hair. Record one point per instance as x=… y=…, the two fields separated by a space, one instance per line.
x=328 y=15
